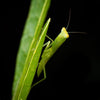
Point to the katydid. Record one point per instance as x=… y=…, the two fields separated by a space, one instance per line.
x=51 y=48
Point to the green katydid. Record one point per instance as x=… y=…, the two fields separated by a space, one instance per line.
x=51 y=48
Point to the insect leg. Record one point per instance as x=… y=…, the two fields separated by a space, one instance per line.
x=49 y=38
x=41 y=79
x=42 y=62
x=46 y=44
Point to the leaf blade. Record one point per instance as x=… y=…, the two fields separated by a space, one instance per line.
x=26 y=79
x=35 y=20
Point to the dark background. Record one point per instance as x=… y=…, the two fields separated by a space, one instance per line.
x=74 y=71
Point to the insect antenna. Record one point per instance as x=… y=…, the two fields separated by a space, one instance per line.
x=69 y=19
x=69 y=23
x=78 y=32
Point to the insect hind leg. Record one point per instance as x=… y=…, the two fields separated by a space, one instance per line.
x=44 y=71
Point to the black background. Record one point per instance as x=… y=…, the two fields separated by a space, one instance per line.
x=74 y=71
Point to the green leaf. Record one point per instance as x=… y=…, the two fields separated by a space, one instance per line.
x=36 y=17
x=24 y=84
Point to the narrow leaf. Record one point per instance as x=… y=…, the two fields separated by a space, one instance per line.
x=24 y=85
x=34 y=23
